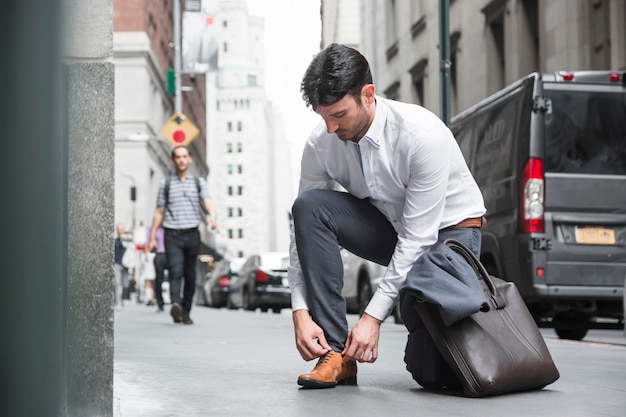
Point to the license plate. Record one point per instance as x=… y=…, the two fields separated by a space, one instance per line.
x=595 y=236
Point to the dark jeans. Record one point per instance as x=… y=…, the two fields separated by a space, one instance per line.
x=323 y=221
x=160 y=265
x=182 y=248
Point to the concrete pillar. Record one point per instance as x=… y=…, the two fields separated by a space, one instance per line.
x=56 y=215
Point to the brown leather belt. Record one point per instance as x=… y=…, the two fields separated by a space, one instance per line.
x=471 y=222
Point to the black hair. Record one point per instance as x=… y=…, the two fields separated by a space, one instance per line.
x=334 y=72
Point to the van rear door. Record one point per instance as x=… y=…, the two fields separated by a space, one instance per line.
x=585 y=189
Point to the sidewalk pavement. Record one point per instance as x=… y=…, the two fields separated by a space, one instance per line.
x=241 y=363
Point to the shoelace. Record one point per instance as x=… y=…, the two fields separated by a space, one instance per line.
x=324 y=359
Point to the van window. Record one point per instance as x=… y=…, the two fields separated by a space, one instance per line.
x=586 y=132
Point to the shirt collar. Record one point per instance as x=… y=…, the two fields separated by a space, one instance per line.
x=376 y=130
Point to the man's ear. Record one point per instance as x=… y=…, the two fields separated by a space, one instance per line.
x=368 y=93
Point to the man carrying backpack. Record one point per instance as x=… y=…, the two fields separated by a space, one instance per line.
x=178 y=209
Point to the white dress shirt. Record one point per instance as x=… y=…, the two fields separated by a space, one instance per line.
x=411 y=169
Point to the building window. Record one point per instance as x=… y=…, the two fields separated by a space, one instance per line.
x=230 y=190
x=600 y=36
x=393 y=91
x=230 y=233
x=229 y=147
x=230 y=212
x=251 y=80
x=240 y=210
x=229 y=126
x=240 y=169
x=494 y=19
x=240 y=190
x=418 y=73
x=240 y=233
x=225 y=46
x=229 y=169
x=240 y=253
x=239 y=126
x=391 y=26
x=239 y=147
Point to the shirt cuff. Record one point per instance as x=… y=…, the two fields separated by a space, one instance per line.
x=298 y=297
x=380 y=306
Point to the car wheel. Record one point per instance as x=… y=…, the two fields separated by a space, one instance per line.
x=396 y=315
x=229 y=304
x=571 y=334
x=364 y=293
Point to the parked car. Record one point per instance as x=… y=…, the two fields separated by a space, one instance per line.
x=217 y=284
x=261 y=283
x=360 y=280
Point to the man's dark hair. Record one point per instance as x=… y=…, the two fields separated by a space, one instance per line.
x=334 y=72
x=179 y=147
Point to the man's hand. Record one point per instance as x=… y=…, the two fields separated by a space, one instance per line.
x=310 y=339
x=152 y=244
x=362 y=343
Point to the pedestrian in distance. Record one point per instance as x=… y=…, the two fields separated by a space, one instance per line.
x=179 y=203
x=160 y=265
x=120 y=271
x=408 y=188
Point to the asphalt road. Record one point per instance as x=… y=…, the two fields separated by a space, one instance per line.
x=239 y=363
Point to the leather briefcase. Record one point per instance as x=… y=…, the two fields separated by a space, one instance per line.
x=493 y=352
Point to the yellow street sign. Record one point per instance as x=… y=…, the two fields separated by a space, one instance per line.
x=179 y=130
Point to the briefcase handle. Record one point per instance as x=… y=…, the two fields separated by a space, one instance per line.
x=481 y=271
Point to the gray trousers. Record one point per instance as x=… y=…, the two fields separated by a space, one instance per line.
x=326 y=220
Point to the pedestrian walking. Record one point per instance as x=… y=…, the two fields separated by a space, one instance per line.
x=120 y=271
x=179 y=201
x=160 y=265
x=408 y=188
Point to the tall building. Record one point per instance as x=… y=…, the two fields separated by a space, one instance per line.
x=143 y=51
x=492 y=44
x=246 y=151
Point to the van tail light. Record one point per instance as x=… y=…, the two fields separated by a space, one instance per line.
x=223 y=282
x=532 y=197
x=261 y=277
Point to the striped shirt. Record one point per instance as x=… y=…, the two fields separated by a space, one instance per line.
x=183 y=208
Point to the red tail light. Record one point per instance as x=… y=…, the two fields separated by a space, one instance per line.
x=615 y=76
x=223 y=282
x=261 y=277
x=531 y=197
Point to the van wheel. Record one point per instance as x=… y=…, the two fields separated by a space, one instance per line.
x=571 y=334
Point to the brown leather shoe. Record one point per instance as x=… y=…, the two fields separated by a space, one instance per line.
x=187 y=319
x=176 y=312
x=331 y=370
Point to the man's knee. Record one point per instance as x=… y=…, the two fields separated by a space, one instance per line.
x=308 y=203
